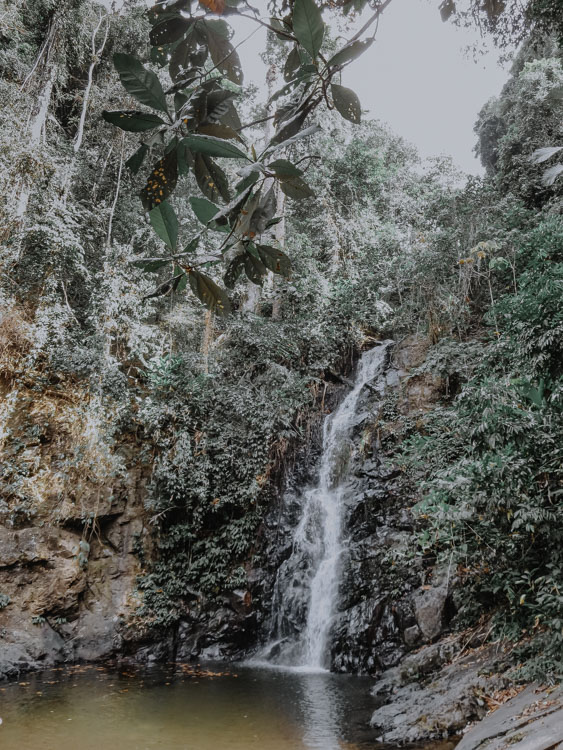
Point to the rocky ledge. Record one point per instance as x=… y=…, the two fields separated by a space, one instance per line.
x=447 y=689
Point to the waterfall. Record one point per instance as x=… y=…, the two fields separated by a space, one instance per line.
x=306 y=588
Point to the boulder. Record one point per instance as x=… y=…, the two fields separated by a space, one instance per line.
x=532 y=720
x=440 y=706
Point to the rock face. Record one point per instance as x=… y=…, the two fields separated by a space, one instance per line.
x=390 y=602
x=66 y=599
x=442 y=700
x=69 y=600
x=68 y=582
x=532 y=720
x=386 y=608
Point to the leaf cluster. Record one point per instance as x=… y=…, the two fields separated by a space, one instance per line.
x=196 y=123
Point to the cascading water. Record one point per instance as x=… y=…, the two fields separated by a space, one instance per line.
x=307 y=583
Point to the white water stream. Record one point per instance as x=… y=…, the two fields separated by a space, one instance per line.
x=307 y=584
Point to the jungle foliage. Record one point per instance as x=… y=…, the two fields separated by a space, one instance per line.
x=489 y=459
x=201 y=124
x=108 y=367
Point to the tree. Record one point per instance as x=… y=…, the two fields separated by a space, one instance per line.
x=195 y=121
x=515 y=128
x=509 y=22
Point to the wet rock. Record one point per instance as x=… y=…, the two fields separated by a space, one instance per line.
x=428 y=659
x=387 y=683
x=226 y=631
x=439 y=707
x=412 y=635
x=159 y=651
x=532 y=720
x=420 y=392
x=34 y=546
x=241 y=601
x=73 y=512
x=37 y=647
x=409 y=354
x=429 y=608
x=60 y=609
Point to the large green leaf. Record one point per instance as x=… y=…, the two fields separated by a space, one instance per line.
x=195 y=111
x=262 y=213
x=151 y=266
x=141 y=83
x=185 y=159
x=274 y=260
x=231 y=117
x=280 y=142
x=161 y=290
x=247 y=182
x=180 y=101
x=292 y=64
x=254 y=268
x=218 y=103
x=296 y=188
x=233 y=271
x=291 y=127
x=220 y=131
x=305 y=73
x=284 y=168
x=211 y=179
x=203 y=209
x=180 y=280
x=161 y=182
x=182 y=59
x=165 y=224
x=169 y=30
x=347 y=103
x=211 y=146
x=222 y=52
x=350 y=52
x=132 y=121
x=160 y=55
x=166 y=9
x=191 y=247
x=135 y=161
x=447 y=9
x=281 y=29
x=212 y=296
x=308 y=26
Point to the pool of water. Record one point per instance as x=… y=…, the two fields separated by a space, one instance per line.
x=186 y=707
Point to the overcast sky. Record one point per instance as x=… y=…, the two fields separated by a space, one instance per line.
x=416 y=77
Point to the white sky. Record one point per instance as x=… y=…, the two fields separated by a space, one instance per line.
x=417 y=77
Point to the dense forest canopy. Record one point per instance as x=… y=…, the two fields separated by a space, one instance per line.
x=107 y=362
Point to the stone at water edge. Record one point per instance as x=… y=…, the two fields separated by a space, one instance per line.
x=532 y=720
x=442 y=701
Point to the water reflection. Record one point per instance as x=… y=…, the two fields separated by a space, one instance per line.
x=183 y=707
x=322 y=713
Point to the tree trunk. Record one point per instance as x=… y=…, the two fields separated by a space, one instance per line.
x=280 y=238
x=207 y=340
x=36 y=135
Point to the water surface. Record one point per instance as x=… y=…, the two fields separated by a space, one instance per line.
x=185 y=707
